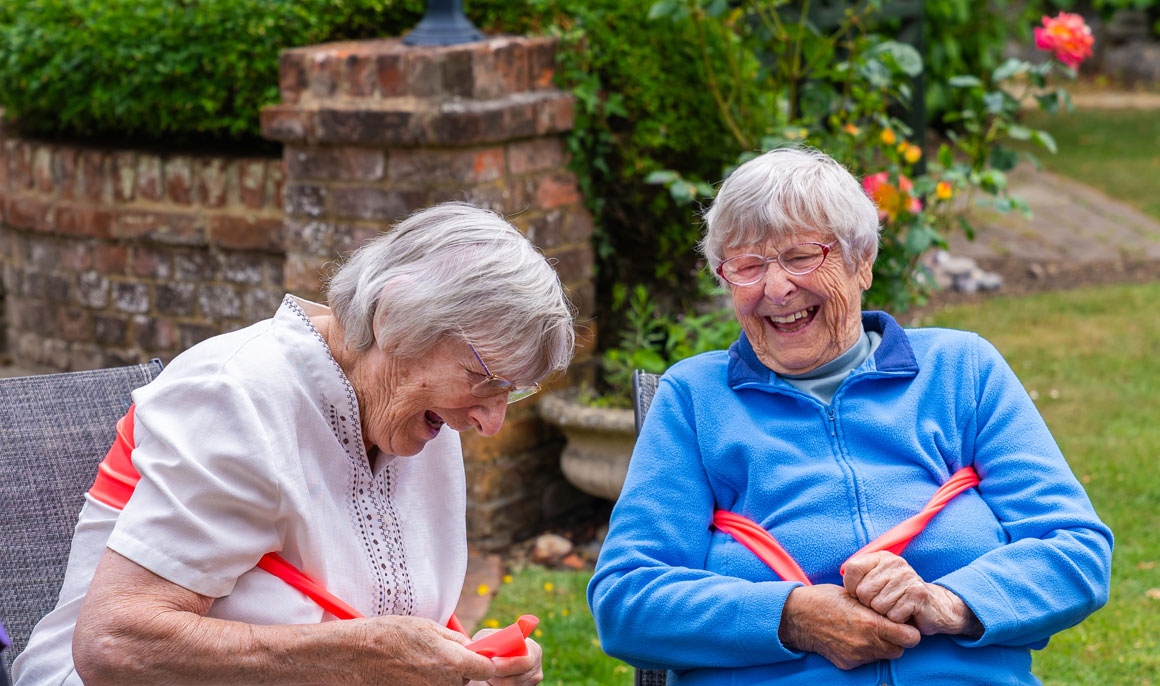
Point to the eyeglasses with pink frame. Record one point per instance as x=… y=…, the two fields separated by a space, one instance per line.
x=799 y=260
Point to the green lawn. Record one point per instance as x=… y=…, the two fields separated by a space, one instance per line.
x=1116 y=151
x=1091 y=358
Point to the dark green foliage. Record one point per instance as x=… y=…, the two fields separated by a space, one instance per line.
x=192 y=70
x=963 y=38
x=642 y=106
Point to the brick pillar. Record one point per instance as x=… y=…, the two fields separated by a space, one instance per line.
x=374 y=130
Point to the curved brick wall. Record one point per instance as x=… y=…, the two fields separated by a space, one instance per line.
x=115 y=256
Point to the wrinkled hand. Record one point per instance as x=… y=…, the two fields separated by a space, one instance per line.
x=527 y=670
x=409 y=651
x=827 y=620
x=887 y=584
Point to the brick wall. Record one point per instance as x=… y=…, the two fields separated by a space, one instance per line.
x=375 y=130
x=116 y=256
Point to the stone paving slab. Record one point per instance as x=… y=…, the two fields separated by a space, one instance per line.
x=1071 y=223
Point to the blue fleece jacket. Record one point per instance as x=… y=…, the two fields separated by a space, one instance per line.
x=1024 y=550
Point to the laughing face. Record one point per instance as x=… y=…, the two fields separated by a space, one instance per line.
x=404 y=403
x=798 y=323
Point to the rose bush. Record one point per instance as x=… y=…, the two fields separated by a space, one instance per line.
x=842 y=93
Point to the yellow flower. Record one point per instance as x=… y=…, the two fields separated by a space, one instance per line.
x=491 y=623
x=564 y=612
x=943 y=191
x=507 y=578
x=482 y=589
x=803 y=133
x=851 y=129
x=548 y=586
x=913 y=153
x=887 y=137
x=903 y=147
x=538 y=633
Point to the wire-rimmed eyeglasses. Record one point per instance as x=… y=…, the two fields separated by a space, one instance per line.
x=493 y=385
x=800 y=259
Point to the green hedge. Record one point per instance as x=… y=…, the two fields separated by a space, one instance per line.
x=165 y=69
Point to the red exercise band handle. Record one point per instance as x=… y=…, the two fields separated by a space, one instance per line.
x=508 y=641
x=751 y=535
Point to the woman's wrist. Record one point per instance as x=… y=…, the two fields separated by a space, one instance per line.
x=959 y=619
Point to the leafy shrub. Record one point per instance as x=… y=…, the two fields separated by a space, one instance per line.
x=962 y=39
x=642 y=105
x=165 y=69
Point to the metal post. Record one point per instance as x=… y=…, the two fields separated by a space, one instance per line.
x=444 y=24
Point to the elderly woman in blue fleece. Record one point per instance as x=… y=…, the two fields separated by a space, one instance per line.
x=825 y=427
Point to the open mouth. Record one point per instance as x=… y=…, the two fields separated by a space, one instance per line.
x=794 y=321
x=434 y=421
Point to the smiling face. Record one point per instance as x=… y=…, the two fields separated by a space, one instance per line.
x=798 y=323
x=404 y=403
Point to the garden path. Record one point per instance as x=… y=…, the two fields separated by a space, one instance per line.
x=1071 y=223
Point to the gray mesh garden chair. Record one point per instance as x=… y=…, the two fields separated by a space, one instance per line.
x=644 y=386
x=54 y=430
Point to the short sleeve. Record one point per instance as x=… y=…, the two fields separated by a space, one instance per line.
x=208 y=504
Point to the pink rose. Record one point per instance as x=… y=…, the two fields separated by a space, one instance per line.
x=1067 y=36
x=891 y=200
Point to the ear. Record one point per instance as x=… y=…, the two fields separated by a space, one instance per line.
x=865 y=275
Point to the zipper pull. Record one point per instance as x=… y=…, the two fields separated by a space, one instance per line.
x=833 y=430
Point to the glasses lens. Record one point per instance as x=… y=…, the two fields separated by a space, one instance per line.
x=802 y=259
x=492 y=386
x=521 y=393
x=743 y=269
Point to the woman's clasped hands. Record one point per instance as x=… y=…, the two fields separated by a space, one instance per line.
x=884 y=608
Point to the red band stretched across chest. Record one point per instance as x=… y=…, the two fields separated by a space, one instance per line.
x=116 y=479
x=753 y=536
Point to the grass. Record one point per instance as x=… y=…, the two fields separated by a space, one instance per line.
x=1116 y=151
x=567 y=632
x=1091 y=359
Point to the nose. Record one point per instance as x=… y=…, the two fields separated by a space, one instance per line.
x=487 y=417
x=778 y=284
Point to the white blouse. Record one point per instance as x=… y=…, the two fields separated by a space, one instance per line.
x=250 y=443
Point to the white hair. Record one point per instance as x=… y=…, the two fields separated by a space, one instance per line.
x=787 y=191
x=454 y=271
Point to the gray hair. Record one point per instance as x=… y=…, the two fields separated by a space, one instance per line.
x=786 y=191
x=460 y=272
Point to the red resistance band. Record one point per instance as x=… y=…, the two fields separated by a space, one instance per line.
x=751 y=535
x=117 y=477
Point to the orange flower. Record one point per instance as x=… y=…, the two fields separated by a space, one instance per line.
x=913 y=153
x=851 y=129
x=943 y=191
x=887 y=137
x=890 y=199
x=1067 y=36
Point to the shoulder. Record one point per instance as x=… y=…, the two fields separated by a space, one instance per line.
x=937 y=343
x=706 y=368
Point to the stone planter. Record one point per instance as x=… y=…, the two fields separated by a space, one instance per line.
x=599 y=445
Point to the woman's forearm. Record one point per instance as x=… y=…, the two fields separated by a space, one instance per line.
x=137 y=628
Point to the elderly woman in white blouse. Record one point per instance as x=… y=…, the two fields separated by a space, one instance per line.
x=329 y=436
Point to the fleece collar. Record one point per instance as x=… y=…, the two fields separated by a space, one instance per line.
x=894 y=354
